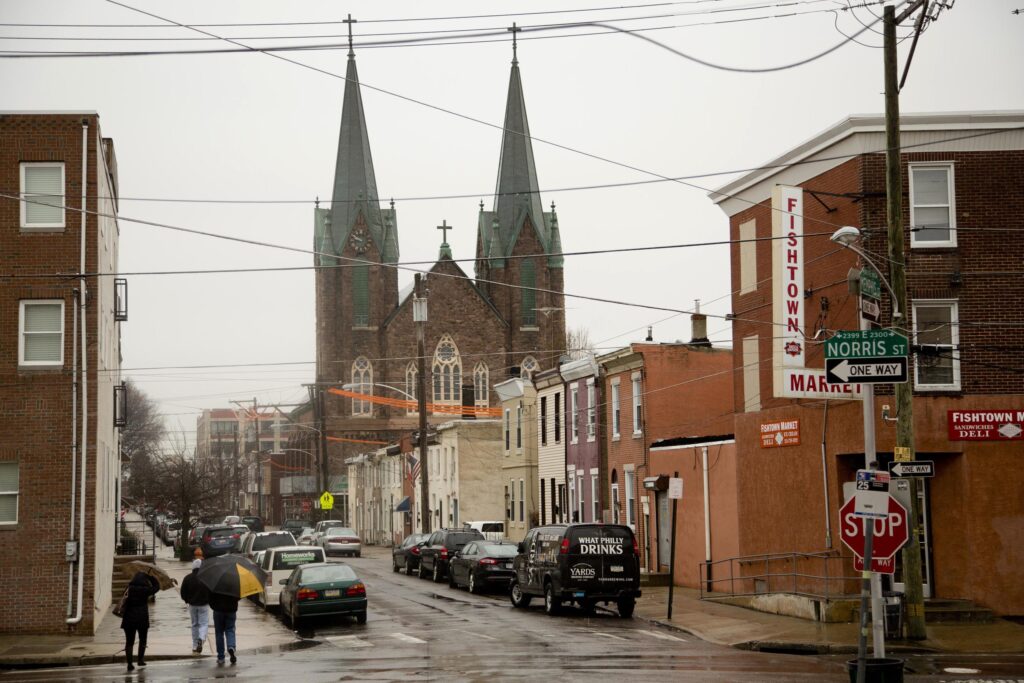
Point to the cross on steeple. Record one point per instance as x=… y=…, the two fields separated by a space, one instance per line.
x=514 y=29
x=444 y=228
x=350 y=21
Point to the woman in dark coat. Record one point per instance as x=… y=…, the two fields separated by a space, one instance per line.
x=136 y=615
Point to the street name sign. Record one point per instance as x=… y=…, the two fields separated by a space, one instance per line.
x=870 y=284
x=890 y=532
x=891 y=370
x=913 y=468
x=877 y=344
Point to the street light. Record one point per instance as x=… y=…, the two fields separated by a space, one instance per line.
x=352 y=387
x=848 y=237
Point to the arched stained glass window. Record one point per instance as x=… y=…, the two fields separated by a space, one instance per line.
x=481 y=384
x=529 y=367
x=412 y=386
x=447 y=372
x=362 y=383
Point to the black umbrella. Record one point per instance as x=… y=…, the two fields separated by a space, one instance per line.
x=232 y=575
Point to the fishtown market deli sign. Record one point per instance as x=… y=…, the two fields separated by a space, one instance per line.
x=985 y=425
x=791 y=377
x=780 y=433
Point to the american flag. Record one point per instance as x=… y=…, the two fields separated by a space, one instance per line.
x=412 y=468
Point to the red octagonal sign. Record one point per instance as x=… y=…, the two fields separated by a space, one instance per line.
x=891 y=533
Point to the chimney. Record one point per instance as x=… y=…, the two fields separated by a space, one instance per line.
x=650 y=333
x=699 y=325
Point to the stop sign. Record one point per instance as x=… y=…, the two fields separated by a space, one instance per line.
x=891 y=533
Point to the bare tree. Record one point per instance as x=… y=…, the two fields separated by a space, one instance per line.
x=140 y=443
x=190 y=487
x=578 y=344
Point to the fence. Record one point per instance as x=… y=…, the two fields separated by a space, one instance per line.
x=135 y=537
x=826 y=575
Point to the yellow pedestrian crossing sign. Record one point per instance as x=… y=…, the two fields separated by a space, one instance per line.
x=326 y=501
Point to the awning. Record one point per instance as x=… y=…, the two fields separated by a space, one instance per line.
x=403 y=506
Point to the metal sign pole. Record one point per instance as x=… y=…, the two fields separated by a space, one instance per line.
x=672 y=552
x=865 y=598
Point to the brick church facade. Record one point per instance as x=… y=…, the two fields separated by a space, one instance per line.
x=507 y=321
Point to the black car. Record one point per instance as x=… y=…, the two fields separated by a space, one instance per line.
x=219 y=540
x=482 y=564
x=254 y=523
x=581 y=563
x=406 y=555
x=295 y=526
x=439 y=549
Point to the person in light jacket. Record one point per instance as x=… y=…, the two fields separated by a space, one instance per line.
x=196 y=595
x=136 y=615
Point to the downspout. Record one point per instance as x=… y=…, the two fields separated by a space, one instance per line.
x=707 y=517
x=824 y=476
x=83 y=298
x=74 y=444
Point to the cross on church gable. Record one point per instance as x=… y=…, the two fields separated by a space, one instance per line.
x=444 y=228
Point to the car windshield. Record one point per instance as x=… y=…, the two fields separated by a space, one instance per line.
x=498 y=527
x=461 y=538
x=328 y=572
x=340 y=531
x=497 y=550
x=272 y=541
x=289 y=559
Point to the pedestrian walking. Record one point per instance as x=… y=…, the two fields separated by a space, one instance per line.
x=197 y=596
x=225 y=609
x=135 y=619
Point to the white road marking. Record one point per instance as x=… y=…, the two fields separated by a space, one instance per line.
x=407 y=638
x=608 y=635
x=348 y=641
x=476 y=635
x=663 y=636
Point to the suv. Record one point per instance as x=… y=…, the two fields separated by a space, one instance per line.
x=581 y=563
x=219 y=540
x=439 y=548
x=256 y=542
x=254 y=523
x=295 y=526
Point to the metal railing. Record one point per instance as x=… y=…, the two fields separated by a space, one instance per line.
x=826 y=575
x=135 y=537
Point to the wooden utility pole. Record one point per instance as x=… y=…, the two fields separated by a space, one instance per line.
x=419 y=315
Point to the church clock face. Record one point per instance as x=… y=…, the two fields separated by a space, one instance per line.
x=360 y=240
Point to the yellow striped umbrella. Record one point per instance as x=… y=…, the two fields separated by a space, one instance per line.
x=232 y=575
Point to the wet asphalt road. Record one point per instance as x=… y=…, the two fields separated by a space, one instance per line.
x=419 y=630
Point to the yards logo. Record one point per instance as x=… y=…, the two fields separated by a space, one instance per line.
x=582 y=571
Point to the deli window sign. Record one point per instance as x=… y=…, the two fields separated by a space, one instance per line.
x=986 y=425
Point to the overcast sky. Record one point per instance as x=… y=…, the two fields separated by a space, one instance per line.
x=251 y=127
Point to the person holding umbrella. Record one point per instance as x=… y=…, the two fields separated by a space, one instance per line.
x=197 y=596
x=135 y=618
x=229 y=578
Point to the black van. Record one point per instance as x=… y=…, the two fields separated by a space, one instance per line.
x=581 y=563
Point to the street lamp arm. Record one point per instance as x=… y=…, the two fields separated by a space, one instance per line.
x=846 y=237
x=352 y=387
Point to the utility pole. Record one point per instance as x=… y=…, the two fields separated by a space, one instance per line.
x=419 y=316
x=234 y=476
x=256 y=457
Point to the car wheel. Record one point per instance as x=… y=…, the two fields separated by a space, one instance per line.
x=394 y=566
x=361 y=617
x=421 y=571
x=437 y=573
x=294 y=618
x=626 y=607
x=451 y=579
x=519 y=598
x=471 y=585
x=359 y=553
x=552 y=605
x=408 y=567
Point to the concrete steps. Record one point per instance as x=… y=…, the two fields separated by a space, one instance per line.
x=119 y=581
x=940 y=610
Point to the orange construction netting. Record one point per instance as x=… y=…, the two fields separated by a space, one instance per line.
x=435 y=408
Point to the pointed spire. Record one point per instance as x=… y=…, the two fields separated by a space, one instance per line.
x=496 y=254
x=555 y=258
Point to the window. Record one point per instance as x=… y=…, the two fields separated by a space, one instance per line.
x=575 y=414
x=616 y=409
x=572 y=493
x=42 y=186
x=481 y=385
x=615 y=497
x=543 y=504
x=558 y=417
x=591 y=411
x=637 y=406
x=512 y=503
x=362 y=383
x=936 y=366
x=593 y=497
x=528 y=282
x=522 y=501
x=8 y=493
x=412 y=385
x=543 y=421
x=519 y=426
x=630 y=513
x=751 y=375
x=932 y=206
x=447 y=373
x=579 y=498
x=508 y=427
x=748 y=257
x=360 y=295
x=41 y=333
x=528 y=368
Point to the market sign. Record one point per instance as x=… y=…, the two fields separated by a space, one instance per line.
x=780 y=433
x=985 y=425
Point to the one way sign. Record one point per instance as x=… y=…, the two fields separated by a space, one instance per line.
x=914 y=468
x=866 y=370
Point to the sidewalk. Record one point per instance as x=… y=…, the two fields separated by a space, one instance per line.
x=169 y=633
x=752 y=630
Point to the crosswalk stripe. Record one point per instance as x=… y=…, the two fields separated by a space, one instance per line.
x=406 y=638
x=476 y=635
x=608 y=635
x=348 y=641
x=664 y=636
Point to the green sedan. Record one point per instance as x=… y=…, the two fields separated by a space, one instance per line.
x=322 y=589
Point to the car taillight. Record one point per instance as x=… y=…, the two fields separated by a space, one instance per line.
x=444 y=553
x=234 y=536
x=415 y=550
x=356 y=590
x=564 y=549
x=306 y=594
x=636 y=547
x=206 y=538
x=488 y=560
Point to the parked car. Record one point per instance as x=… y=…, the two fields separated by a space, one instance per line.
x=254 y=523
x=482 y=564
x=406 y=555
x=439 y=549
x=231 y=519
x=305 y=537
x=171 y=532
x=323 y=589
x=295 y=526
x=279 y=563
x=492 y=531
x=257 y=541
x=243 y=531
x=219 y=540
x=195 y=536
x=581 y=563
x=322 y=526
x=341 y=540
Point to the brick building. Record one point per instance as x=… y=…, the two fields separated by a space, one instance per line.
x=503 y=323
x=962 y=174
x=585 y=466
x=59 y=371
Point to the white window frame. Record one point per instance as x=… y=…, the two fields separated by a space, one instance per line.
x=362 y=381
x=481 y=384
x=16 y=493
x=581 y=499
x=630 y=485
x=512 y=500
x=522 y=500
x=412 y=387
x=637 y=404
x=616 y=410
x=24 y=224
x=519 y=427
x=932 y=244
x=575 y=414
x=954 y=333
x=591 y=411
x=593 y=494
x=508 y=429
x=615 y=503
x=21 y=334
x=571 y=478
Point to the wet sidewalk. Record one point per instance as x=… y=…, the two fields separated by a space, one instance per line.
x=169 y=633
x=752 y=630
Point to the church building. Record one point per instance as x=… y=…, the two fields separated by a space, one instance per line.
x=505 y=321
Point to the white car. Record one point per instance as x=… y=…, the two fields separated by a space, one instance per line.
x=278 y=563
x=323 y=526
x=264 y=540
x=492 y=531
x=306 y=536
x=342 y=540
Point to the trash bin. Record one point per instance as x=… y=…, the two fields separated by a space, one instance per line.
x=893 y=614
x=879 y=670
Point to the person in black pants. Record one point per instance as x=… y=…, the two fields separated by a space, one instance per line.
x=136 y=615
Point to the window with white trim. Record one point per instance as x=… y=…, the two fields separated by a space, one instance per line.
x=630 y=496
x=481 y=385
x=512 y=506
x=558 y=417
x=529 y=367
x=522 y=501
x=637 y=404
x=9 y=492
x=580 y=498
x=615 y=497
x=42 y=188
x=447 y=373
x=575 y=413
x=593 y=496
x=508 y=428
x=543 y=420
x=616 y=408
x=572 y=491
x=591 y=411
x=362 y=383
x=412 y=386
x=937 y=334
x=519 y=426
x=932 y=206
x=41 y=333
